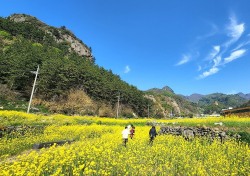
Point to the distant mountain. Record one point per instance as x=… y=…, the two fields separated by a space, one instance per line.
x=227 y=100
x=245 y=96
x=194 y=97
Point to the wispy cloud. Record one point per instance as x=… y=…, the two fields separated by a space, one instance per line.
x=217 y=61
x=235 y=45
x=234 y=55
x=215 y=51
x=211 y=71
x=241 y=45
x=185 y=58
x=234 y=30
x=127 y=69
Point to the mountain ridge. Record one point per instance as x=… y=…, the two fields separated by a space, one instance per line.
x=195 y=97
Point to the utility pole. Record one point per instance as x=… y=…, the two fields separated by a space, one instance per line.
x=118 y=101
x=33 y=88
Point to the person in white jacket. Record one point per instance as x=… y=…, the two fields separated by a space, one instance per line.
x=125 y=134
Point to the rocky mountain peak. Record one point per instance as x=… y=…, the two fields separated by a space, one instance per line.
x=167 y=88
x=60 y=35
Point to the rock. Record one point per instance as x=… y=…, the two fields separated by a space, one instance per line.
x=188 y=134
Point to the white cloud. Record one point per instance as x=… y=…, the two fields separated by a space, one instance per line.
x=214 y=52
x=217 y=61
x=234 y=55
x=184 y=59
x=217 y=57
x=127 y=69
x=241 y=45
x=217 y=48
x=210 y=72
x=234 y=30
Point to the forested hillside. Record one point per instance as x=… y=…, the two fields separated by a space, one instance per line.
x=69 y=81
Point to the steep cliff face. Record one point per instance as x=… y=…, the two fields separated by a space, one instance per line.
x=60 y=35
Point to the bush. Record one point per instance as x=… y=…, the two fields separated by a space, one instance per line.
x=190 y=115
x=245 y=136
x=5 y=34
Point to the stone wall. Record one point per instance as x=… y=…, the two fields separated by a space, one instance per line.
x=191 y=132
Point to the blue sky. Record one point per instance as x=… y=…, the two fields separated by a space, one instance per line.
x=192 y=46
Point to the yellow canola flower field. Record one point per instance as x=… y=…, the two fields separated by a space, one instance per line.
x=99 y=150
x=21 y=118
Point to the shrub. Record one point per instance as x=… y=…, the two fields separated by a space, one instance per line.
x=245 y=136
x=5 y=34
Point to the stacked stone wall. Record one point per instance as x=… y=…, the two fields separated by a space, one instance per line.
x=192 y=132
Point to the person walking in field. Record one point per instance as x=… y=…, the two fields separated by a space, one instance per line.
x=132 y=131
x=152 y=135
x=125 y=134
